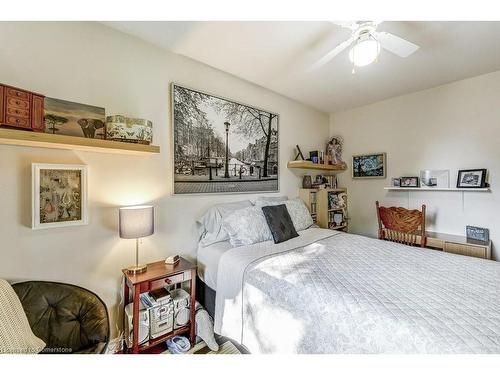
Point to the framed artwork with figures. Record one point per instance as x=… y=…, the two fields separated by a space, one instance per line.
x=59 y=196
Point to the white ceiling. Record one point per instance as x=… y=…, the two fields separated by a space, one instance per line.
x=276 y=55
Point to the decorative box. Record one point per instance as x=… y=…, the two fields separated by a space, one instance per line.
x=126 y=129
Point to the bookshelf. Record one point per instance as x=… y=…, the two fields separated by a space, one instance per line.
x=66 y=142
x=328 y=207
x=303 y=164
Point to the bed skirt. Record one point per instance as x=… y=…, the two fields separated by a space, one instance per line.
x=206 y=296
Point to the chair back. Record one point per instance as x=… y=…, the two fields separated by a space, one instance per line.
x=398 y=224
x=70 y=319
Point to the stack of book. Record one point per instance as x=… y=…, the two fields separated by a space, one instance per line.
x=331 y=181
x=156 y=297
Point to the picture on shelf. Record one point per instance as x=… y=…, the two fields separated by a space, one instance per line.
x=435 y=178
x=369 y=166
x=409 y=182
x=314 y=156
x=75 y=119
x=471 y=178
x=395 y=182
x=338 y=219
x=333 y=201
x=477 y=233
x=59 y=195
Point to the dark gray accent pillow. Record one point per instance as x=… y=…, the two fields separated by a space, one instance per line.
x=279 y=222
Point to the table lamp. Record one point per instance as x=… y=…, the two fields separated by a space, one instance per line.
x=136 y=222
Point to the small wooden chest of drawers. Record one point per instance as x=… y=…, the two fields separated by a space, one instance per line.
x=21 y=109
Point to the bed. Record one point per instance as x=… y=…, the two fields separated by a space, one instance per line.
x=331 y=292
x=208 y=258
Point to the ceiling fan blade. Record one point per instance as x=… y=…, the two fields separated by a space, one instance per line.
x=395 y=44
x=354 y=25
x=351 y=25
x=330 y=55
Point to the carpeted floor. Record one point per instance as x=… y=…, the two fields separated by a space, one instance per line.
x=225 y=347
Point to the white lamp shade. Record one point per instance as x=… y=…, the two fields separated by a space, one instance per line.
x=136 y=221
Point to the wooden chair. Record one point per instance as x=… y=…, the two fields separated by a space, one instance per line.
x=398 y=224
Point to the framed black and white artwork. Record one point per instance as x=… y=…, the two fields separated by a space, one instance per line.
x=471 y=178
x=222 y=146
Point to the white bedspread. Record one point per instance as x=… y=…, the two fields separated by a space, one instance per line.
x=327 y=292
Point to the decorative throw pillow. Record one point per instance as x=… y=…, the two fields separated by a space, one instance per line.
x=211 y=230
x=16 y=336
x=298 y=211
x=247 y=226
x=279 y=222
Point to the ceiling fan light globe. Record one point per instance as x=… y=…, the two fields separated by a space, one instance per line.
x=364 y=52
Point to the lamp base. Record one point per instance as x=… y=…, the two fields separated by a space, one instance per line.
x=140 y=268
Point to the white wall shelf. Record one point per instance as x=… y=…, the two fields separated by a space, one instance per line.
x=460 y=190
x=485 y=190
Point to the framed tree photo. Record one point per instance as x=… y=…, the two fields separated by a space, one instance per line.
x=59 y=195
x=222 y=146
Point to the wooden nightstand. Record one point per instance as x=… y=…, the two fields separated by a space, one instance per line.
x=159 y=275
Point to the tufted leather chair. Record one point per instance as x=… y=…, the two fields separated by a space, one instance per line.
x=68 y=318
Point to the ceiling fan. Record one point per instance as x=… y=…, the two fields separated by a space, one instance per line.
x=365 y=42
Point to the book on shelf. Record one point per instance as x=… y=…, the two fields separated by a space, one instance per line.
x=161 y=295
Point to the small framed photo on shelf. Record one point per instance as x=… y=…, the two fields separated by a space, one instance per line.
x=333 y=201
x=314 y=156
x=471 y=178
x=59 y=195
x=338 y=219
x=395 y=182
x=477 y=233
x=409 y=182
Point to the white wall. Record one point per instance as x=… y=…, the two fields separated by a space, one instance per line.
x=455 y=126
x=91 y=63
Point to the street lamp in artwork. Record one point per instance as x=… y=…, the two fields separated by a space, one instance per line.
x=226 y=168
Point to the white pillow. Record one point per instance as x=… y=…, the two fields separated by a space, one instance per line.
x=247 y=226
x=277 y=198
x=298 y=211
x=16 y=336
x=211 y=230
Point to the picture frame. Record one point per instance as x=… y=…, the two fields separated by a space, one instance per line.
x=369 y=166
x=437 y=179
x=471 y=178
x=477 y=234
x=395 y=182
x=338 y=218
x=314 y=156
x=59 y=195
x=409 y=182
x=63 y=117
x=207 y=130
